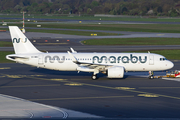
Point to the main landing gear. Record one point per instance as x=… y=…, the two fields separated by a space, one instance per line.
x=151 y=76
x=94 y=77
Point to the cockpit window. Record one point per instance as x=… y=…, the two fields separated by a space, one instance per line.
x=162 y=59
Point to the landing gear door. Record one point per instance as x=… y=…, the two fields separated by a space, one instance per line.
x=40 y=60
x=151 y=60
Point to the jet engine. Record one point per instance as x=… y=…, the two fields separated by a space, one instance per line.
x=115 y=72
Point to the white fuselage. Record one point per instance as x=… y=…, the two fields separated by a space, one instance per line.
x=111 y=64
x=130 y=61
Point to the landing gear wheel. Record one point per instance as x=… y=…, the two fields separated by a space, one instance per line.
x=151 y=77
x=94 y=77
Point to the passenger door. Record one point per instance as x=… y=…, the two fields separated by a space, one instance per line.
x=40 y=60
x=151 y=60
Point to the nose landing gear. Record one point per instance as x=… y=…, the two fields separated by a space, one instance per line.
x=151 y=75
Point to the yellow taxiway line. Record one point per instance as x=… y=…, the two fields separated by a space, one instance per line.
x=128 y=89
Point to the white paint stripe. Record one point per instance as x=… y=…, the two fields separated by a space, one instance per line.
x=32 y=115
x=172 y=79
x=65 y=114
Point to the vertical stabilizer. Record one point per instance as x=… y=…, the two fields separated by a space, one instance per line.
x=20 y=42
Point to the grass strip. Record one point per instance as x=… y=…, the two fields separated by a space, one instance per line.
x=87 y=17
x=133 y=41
x=68 y=32
x=5 y=44
x=159 y=28
x=3 y=56
x=83 y=33
x=169 y=54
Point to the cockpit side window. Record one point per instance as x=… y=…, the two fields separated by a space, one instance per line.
x=163 y=59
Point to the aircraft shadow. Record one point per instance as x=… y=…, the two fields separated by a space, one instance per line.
x=71 y=74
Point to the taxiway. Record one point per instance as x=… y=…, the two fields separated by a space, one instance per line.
x=135 y=96
x=76 y=94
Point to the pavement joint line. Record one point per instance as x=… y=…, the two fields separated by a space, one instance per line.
x=80 y=98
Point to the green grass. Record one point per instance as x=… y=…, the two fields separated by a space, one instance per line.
x=84 y=33
x=87 y=17
x=68 y=32
x=5 y=44
x=169 y=54
x=4 y=29
x=159 y=28
x=3 y=56
x=133 y=41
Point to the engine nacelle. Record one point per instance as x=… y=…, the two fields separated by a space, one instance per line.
x=115 y=72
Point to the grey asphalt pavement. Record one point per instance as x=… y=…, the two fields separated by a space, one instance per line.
x=134 y=97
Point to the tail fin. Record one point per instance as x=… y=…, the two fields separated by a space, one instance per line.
x=20 y=42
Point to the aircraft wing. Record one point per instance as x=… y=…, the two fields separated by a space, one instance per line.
x=91 y=66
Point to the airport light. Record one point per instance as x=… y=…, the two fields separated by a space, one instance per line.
x=23 y=30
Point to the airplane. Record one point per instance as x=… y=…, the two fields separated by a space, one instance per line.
x=112 y=64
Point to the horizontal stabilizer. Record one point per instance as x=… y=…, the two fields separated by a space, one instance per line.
x=15 y=57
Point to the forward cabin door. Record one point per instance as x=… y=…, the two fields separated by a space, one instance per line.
x=151 y=59
x=40 y=61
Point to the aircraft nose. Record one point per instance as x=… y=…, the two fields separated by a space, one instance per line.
x=170 y=65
